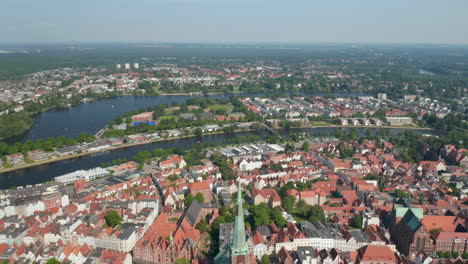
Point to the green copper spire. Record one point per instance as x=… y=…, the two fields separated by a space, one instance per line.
x=239 y=244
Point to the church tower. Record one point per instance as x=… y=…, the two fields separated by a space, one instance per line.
x=239 y=249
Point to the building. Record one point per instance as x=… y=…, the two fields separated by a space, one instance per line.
x=37 y=155
x=411 y=231
x=382 y=96
x=127 y=65
x=373 y=254
x=237 y=251
x=451 y=242
x=143 y=118
x=15 y=159
x=66 y=151
x=398 y=121
x=203 y=188
x=119 y=66
x=88 y=175
x=268 y=196
x=166 y=241
x=210 y=128
x=306 y=255
x=136 y=65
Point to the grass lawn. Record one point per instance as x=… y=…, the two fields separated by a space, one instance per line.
x=227 y=108
x=319 y=123
x=168 y=117
x=412 y=125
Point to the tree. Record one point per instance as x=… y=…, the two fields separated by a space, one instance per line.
x=199 y=197
x=367 y=132
x=198 y=132
x=113 y=219
x=3 y=148
x=266 y=259
x=455 y=254
x=277 y=217
x=288 y=203
x=182 y=261
x=447 y=254
x=53 y=261
x=188 y=200
x=305 y=146
x=401 y=194
x=202 y=226
x=316 y=214
x=372 y=177
x=357 y=220
x=465 y=255
x=82 y=137
x=261 y=214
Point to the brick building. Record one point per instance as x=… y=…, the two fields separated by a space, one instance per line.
x=203 y=188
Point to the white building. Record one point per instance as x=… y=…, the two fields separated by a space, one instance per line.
x=88 y=175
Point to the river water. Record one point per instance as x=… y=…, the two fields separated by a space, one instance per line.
x=47 y=172
x=93 y=116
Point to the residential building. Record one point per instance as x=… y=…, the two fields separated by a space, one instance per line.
x=37 y=155
x=15 y=159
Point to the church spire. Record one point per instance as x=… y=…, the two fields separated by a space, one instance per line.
x=239 y=244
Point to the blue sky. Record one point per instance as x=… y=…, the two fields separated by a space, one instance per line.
x=290 y=21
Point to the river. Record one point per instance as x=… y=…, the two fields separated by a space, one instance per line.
x=47 y=172
x=91 y=117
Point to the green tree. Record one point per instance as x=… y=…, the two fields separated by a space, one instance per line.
x=277 y=217
x=53 y=261
x=202 y=226
x=455 y=254
x=113 y=219
x=305 y=146
x=357 y=220
x=288 y=203
x=198 y=132
x=316 y=214
x=447 y=254
x=401 y=194
x=182 y=261
x=266 y=259
x=3 y=148
x=372 y=177
x=199 y=197
x=261 y=214
x=188 y=200
x=82 y=137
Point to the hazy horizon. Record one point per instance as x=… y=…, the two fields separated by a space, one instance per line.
x=234 y=22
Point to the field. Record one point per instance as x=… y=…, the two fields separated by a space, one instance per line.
x=168 y=117
x=222 y=107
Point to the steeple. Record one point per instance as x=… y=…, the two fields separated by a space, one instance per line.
x=239 y=244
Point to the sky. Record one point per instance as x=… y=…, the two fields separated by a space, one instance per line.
x=234 y=21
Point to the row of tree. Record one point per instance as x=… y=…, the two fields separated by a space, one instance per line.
x=48 y=145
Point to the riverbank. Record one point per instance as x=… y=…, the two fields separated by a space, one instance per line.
x=56 y=159
x=128 y=145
